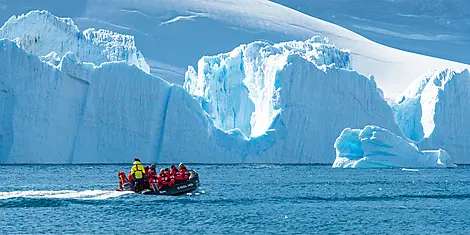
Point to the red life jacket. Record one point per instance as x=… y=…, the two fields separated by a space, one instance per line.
x=122 y=179
x=152 y=173
x=168 y=175
x=184 y=172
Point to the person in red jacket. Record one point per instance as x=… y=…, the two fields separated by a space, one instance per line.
x=151 y=177
x=122 y=179
x=147 y=168
x=130 y=177
x=170 y=178
x=161 y=180
x=176 y=173
x=184 y=172
x=152 y=171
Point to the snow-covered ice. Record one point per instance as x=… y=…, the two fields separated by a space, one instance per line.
x=302 y=93
x=241 y=89
x=434 y=112
x=43 y=34
x=375 y=147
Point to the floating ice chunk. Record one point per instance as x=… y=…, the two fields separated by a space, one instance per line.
x=375 y=147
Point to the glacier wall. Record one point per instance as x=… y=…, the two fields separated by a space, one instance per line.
x=43 y=34
x=303 y=93
x=433 y=112
x=375 y=147
x=77 y=112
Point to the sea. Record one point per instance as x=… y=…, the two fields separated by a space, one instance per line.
x=238 y=199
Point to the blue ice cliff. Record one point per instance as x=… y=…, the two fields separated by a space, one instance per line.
x=375 y=147
x=304 y=93
x=433 y=112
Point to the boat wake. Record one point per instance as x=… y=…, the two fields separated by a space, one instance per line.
x=64 y=194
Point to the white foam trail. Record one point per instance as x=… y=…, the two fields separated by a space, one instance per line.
x=65 y=194
x=406 y=169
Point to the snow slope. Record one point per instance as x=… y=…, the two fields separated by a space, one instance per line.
x=174 y=34
x=303 y=93
x=375 y=147
x=437 y=28
x=433 y=112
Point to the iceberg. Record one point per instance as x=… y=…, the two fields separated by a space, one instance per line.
x=433 y=112
x=303 y=92
x=375 y=147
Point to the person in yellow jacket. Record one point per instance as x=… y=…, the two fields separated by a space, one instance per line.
x=138 y=175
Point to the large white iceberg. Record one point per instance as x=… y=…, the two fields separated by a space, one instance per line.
x=375 y=147
x=304 y=93
x=433 y=111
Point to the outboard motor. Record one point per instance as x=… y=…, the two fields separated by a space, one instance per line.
x=127 y=186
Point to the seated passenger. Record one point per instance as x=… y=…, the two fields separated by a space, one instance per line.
x=146 y=171
x=161 y=179
x=152 y=171
x=184 y=171
x=129 y=178
x=170 y=178
x=176 y=174
x=122 y=179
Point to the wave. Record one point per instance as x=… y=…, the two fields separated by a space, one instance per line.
x=64 y=194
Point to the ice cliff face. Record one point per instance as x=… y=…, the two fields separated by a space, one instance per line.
x=433 y=112
x=303 y=93
x=375 y=147
x=43 y=34
x=81 y=113
x=240 y=89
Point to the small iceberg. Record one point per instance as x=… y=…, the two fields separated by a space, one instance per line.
x=375 y=147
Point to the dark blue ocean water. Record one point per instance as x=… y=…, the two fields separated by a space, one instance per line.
x=238 y=199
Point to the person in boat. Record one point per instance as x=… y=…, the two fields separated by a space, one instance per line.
x=151 y=176
x=184 y=172
x=169 y=177
x=176 y=173
x=138 y=175
x=162 y=181
x=152 y=173
x=122 y=179
x=147 y=168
